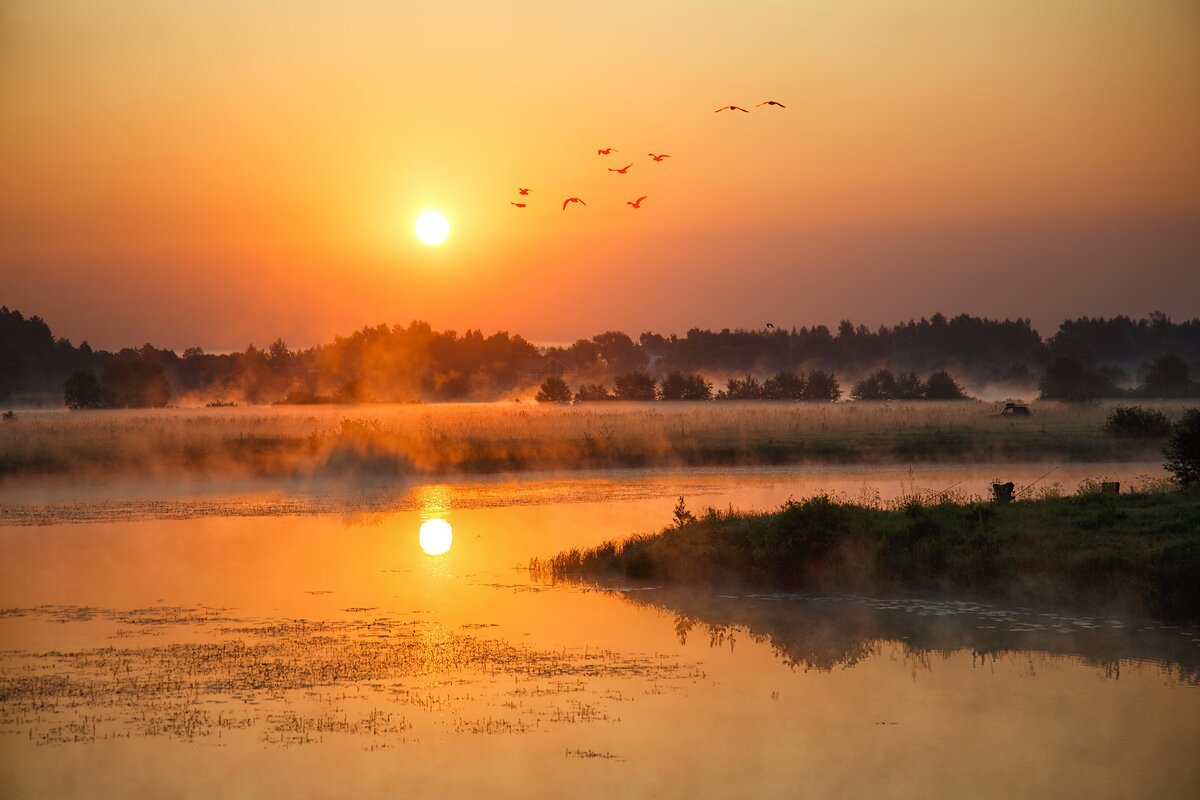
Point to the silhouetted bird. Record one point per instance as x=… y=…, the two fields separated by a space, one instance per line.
x=519 y=205
x=523 y=191
x=731 y=108
x=622 y=170
x=771 y=103
x=636 y=203
x=658 y=158
x=606 y=151
x=769 y=325
x=572 y=200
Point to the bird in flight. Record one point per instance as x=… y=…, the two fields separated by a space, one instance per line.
x=572 y=200
x=519 y=205
x=523 y=191
x=731 y=108
x=658 y=158
x=771 y=103
x=622 y=170
x=606 y=151
x=769 y=325
x=636 y=203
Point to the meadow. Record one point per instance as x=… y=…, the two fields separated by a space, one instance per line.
x=283 y=442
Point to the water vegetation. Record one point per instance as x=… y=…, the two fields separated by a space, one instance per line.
x=1131 y=553
x=493 y=438
x=378 y=676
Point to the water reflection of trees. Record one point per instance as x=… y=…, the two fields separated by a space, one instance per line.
x=829 y=633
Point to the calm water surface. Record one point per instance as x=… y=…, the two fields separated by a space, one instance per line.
x=303 y=642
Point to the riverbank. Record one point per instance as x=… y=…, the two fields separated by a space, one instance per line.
x=497 y=438
x=1133 y=553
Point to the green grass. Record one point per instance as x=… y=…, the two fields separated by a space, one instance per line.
x=1137 y=553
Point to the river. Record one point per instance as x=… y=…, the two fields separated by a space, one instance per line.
x=383 y=640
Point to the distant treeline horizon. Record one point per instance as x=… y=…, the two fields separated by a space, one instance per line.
x=1086 y=358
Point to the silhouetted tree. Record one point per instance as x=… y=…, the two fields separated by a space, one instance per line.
x=406 y=362
x=82 y=390
x=821 y=386
x=452 y=385
x=909 y=387
x=879 y=385
x=591 y=392
x=636 y=385
x=554 y=390
x=941 y=386
x=1183 y=449
x=619 y=352
x=130 y=381
x=784 y=385
x=747 y=388
x=1067 y=379
x=677 y=386
x=351 y=391
x=584 y=353
x=279 y=358
x=1124 y=340
x=654 y=345
x=1167 y=376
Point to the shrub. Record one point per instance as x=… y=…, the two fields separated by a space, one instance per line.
x=880 y=385
x=821 y=386
x=677 y=386
x=554 y=390
x=784 y=385
x=883 y=385
x=591 y=392
x=909 y=387
x=82 y=390
x=1183 y=449
x=941 y=386
x=1137 y=423
x=747 y=388
x=636 y=385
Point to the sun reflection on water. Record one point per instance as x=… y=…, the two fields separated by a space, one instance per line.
x=436 y=536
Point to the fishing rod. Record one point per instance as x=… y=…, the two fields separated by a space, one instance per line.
x=1030 y=486
x=948 y=488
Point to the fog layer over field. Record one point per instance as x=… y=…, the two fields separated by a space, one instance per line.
x=346 y=441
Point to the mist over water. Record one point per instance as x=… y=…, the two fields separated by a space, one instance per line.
x=352 y=443
x=268 y=632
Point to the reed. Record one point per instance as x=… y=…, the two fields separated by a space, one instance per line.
x=488 y=438
x=1136 y=553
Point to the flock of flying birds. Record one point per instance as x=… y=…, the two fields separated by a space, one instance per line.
x=605 y=151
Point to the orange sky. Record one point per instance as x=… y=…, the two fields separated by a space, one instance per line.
x=217 y=173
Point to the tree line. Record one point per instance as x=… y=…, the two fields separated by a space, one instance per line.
x=816 y=386
x=1086 y=358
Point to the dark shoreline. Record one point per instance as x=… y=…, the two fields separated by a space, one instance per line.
x=1135 y=554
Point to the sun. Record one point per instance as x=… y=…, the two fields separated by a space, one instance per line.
x=436 y=536
x=432 y=227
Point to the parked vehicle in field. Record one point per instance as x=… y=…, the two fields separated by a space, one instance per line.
x=1013 y=410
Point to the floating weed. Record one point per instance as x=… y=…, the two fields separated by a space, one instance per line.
x=606 y=755
x=295 y=682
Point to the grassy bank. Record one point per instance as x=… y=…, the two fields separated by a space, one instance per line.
x=401 y=440
x=1137 y=553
